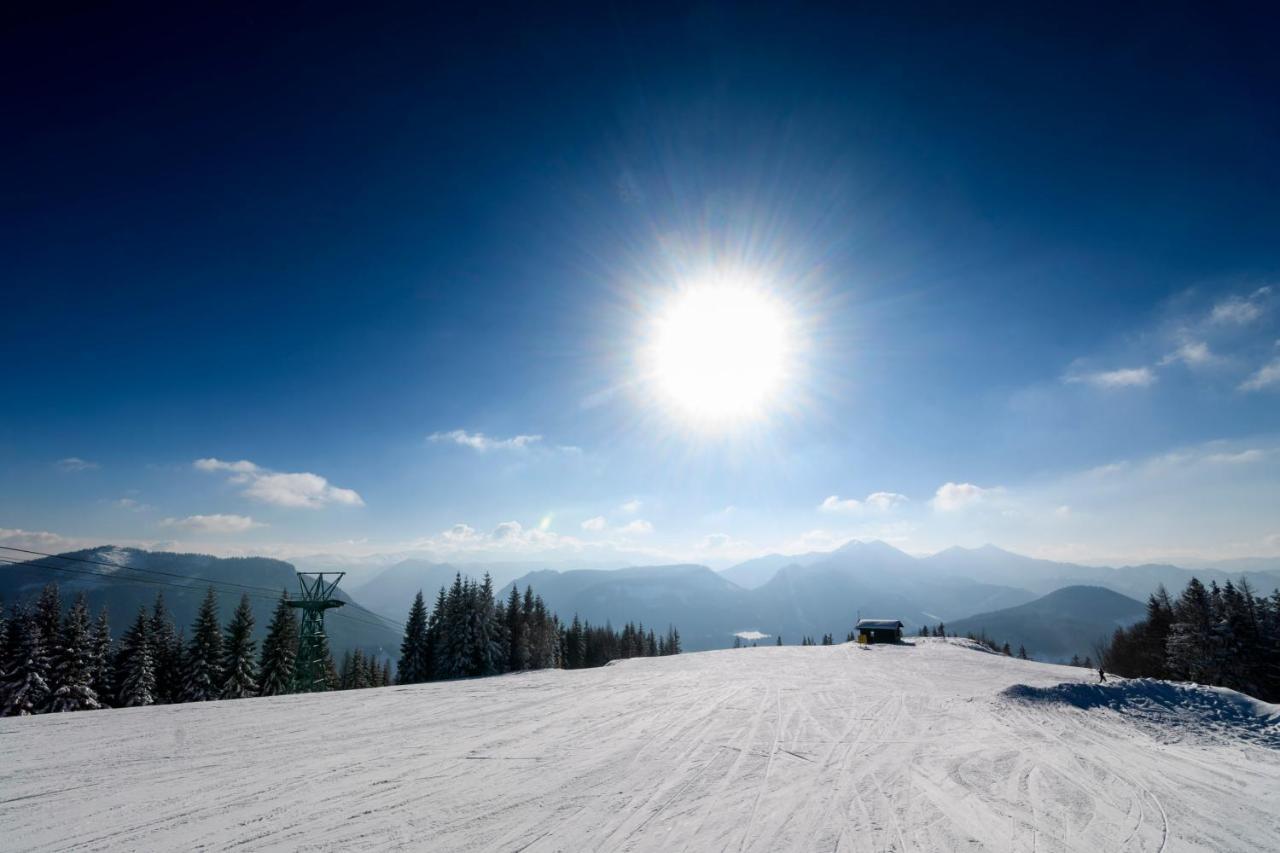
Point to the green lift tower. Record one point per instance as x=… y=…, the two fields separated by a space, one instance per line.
x=313 y=646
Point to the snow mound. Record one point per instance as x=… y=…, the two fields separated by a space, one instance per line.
x=1174 y=707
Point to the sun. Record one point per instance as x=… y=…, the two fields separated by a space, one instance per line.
x=720 y=351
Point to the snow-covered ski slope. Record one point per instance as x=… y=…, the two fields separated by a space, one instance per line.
x=836 y=748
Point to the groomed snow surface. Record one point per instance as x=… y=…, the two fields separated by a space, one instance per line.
x=930 y=746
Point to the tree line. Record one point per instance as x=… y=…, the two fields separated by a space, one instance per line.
x=467 y=633
x=54 y=662
x=1223 y=636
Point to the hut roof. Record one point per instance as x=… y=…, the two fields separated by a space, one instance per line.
x=885 y=624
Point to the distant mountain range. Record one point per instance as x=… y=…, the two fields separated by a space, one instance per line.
x=1056 y=626
x=186 y=578
x=815 y=593
x=789 y=595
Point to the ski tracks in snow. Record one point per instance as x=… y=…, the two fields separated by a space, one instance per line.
x=751 y=750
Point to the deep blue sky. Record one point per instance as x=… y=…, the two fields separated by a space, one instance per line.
x=313 y=238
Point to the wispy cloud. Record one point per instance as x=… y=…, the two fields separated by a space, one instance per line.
x=218 y=523
x=1124 y=377
x=595 y=525
x=1240 y=310
x=631 y=507
x=639 y=527
x=1241 y=458
x=482 y=443
x=1266 y=376
x=1192 y=354
x=73 y=464
x=875 y=501
x=296 y=491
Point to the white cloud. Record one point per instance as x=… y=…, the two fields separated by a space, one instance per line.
x=1265 y=377
x=297 y=491
x=75 y=463
x=1244 y=456
x=833 y=503
x=951 y=497
x=1124 y=377
x=876 y=501
x=1192 y=354
x=1239 y=310
x=131 y=505
x=482 y=443
x=216 y=523
x=506 y=537
x=885 y=500
x=639 y=527
x=35 y=540
x=244 y=466
x=631 y=507
x=594 y=524
x=307 y=491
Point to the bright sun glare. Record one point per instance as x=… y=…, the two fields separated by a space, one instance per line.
x=720 y=352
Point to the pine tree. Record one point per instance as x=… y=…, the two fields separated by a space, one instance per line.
x=135 y=664
x=484 y=631
x=1187 y=649
x=48 y=616
x=102 y=681
x=779 y=639
x=435 y=636
x=518 y=649
x=359 y=671
x=203 y=680
x=1006 y=651
x=73 y=663
x=23 y=688
x=455 y=651
x=279 y=650
x=239 y=672
x=166 y=654
x=414 y=666
x=1022 y=652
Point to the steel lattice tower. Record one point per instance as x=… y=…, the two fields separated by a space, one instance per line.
x=313 y=646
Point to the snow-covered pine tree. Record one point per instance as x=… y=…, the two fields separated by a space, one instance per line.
x=279 y=650
x=414 y=666
x=203 y=677
x=136 y=673
x=239 y=670
x=455 y=650
x=48 y=617
x=359 y=671
x=517 y=642
x=1187 y=649
x=102 y=681
x=23 y=688
x=73 y=663
x=484 y=630
x=435 y=636
x=166 y=654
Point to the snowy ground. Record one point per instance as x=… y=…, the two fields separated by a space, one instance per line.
x=820 y=748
